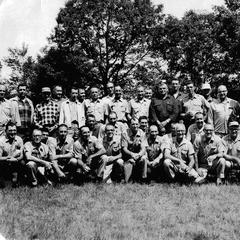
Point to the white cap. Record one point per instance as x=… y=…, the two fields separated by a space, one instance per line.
x=206 y=86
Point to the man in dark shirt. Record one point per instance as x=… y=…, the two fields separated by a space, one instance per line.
x=163 y=108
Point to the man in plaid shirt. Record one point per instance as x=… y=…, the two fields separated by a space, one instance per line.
x=24 y=112
x=47 y=112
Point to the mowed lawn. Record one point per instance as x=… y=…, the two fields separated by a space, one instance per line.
x=132 y=211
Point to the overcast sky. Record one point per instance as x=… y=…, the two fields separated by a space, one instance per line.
x=31 y=21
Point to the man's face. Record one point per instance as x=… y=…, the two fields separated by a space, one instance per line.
x=222 y=92
x=2 y=91
x=180 y=132
x=206 y=92
x=46 y=96
x=190 y=88
x=118 y=92
x=144 y=124
x=74 y=94
x=233 y=131
x=22 y=91
x=110 y=89
x=199 y=120
x=57 y=91
x=134 y=125
x=163 y=89
x=175 y=86
x=37 y=136
x=85 y=132
x=112 y=119
x=208 y=130
x=45 y=135
x=110 y=131
x=81 y=94
x=148 y=93
x=140 y=93
x=153 y=132
x=91 y=122
x=11 y=132
x=95 y=93
x=62 y=132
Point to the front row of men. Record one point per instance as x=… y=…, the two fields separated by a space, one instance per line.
x=131 y=155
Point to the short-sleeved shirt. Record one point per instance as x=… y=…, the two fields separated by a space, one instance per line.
x=195 y=104
x=41 y=151
x=182 y=150
x=112 y=147
x=231 y=147
x=119 y=129
x=121 y=107
x=193 y=132
x=154 y=147
x=219 y=114
x=97 y=108
x=139 y=108
x=10 y=149
x=56 y=148
x=46 y=114
x=6 y=112
x=82 y=150
x=206 y=149
x=107 y=99
x=134 y=142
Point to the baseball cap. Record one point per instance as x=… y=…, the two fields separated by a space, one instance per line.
x=46 y=89
x=206 y=86
x=233 y=124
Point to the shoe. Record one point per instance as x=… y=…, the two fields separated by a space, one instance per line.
x=200 y=180
x=219 y=181
x=34 y=184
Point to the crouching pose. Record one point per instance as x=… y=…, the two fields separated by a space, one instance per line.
x=134 y=149
x=231 y=144
x=113 y=156
x=11 y=154
x=209 y=154
x=88 y=151
x=37 y=157
x=155 y=147
x=179 y=157
x=61 y=153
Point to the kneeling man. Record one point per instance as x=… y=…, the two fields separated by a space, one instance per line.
x=179 y=156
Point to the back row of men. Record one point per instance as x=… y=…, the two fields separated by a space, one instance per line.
x=120 y=148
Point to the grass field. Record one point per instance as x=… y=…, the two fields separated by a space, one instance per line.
x=130 y=211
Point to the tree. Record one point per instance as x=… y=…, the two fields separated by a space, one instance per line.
x=98 y=41
x=21 y=65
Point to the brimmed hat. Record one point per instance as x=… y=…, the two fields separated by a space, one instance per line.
x=233 y=124
x=46 y=89
x=206 y=86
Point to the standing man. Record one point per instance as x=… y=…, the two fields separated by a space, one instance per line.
x=11 y=154
x=110 y=91
x=163 y=108
x=37 y=156
x=120 y=106
x=81 y=95
x=46 y=113
x=134 y=149
x=206 y=91
x=209 y=154
x=179 y=157
x=196 y=129
x=7 y=110
x=57 y=96
x=96 y=106
x=139 y=106
x=220 y=111
x=193 y=103
x=72 y=110
x=24 y=112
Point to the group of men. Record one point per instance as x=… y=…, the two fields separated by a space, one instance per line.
x=160 y=136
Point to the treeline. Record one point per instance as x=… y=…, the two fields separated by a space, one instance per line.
x=132 y=42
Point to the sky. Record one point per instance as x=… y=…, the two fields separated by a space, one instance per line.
x=32 y=21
